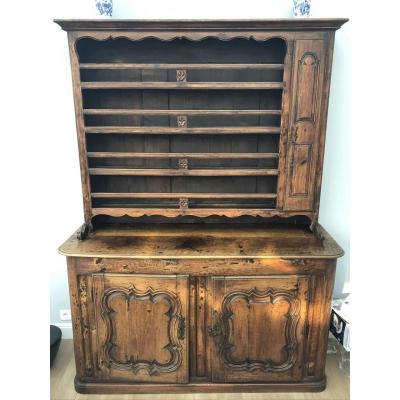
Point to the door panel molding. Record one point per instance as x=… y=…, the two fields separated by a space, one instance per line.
x=175 y=323
x=256 y=296
x=258 y=328
x=305 y=122
x=141 y=327
x=306 y=93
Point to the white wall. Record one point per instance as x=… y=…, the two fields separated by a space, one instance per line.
x=60 y=134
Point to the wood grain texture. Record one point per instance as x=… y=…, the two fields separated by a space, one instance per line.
x=203 y=241
x=225 y=66
x=181 y=85
x=63 y=371
x=182 y=172
x=185 y=308
x=190 y=195
x=142 y=333
x=122 y=111
x=247 y=308
x=281 y=92
x=309 y=66
x=80 y=126
x=203 y=212
x=312 y=24
x=192 y=131
x=109 y=154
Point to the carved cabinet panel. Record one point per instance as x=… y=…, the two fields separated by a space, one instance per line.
x=304 y=138
x=258 y=328
x=141 y=327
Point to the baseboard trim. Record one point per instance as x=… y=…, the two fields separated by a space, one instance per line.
x=126 y=388
x=66 y=329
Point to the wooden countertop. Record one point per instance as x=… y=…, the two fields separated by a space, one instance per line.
x=200 y=241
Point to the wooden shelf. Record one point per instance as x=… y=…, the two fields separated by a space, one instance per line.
x=120 y=111
x=178 y=66
x=155 y=130
x=182 y=85
x=184 y=195
x=107 y=154
x=182 y=172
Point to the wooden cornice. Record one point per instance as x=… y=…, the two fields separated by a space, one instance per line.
x=286 y=24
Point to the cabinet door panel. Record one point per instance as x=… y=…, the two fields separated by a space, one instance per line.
x=309 y=63
x=258 y=328
x=141 y=323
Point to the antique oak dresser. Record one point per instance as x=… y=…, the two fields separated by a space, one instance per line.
x=201 y=265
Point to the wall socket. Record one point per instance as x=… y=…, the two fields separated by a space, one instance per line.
x=65 y=315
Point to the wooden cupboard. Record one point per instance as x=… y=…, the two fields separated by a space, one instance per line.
x=200 y=265
x=185 y=307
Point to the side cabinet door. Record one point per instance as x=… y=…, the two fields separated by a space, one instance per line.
x=258 y=328
x=141 y=327
x=304 y=137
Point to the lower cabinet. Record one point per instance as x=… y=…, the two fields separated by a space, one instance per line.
x=254 y=329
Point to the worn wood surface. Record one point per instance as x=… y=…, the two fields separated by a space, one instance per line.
x=63 y=372
x=142 y=336
x=202 y=241
x=131 y=327
x=186 y=304
x=256 y=24
x=192 y=131
x=258 y=328
x=201 y=307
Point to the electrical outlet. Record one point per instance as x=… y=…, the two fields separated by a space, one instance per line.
x=65 y=315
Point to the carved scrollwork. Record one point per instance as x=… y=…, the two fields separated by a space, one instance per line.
x=184 y=203
x=181 y=121
x=85 y=323
x=224 y=325
x=183 y=163
x=181 y=75
x=176 y=329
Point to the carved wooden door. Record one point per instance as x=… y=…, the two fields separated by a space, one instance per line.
x=141 y=327
x=305 y=126
x=258 y=328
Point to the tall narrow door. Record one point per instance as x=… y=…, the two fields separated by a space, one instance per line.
x=141 y=327
x=258 y=328
x=305 y=127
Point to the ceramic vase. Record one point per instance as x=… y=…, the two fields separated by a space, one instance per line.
x=301 y=8
x=104 y=8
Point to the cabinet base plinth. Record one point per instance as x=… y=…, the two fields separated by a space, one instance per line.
x=133 y=388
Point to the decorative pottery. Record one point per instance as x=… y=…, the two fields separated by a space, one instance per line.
x=301 y=8
x=104 y=8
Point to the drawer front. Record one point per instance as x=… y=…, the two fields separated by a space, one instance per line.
x=141 y=327
x=258 y=328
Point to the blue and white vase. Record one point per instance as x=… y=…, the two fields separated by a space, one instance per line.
x=301 y=8
x=104 y=8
